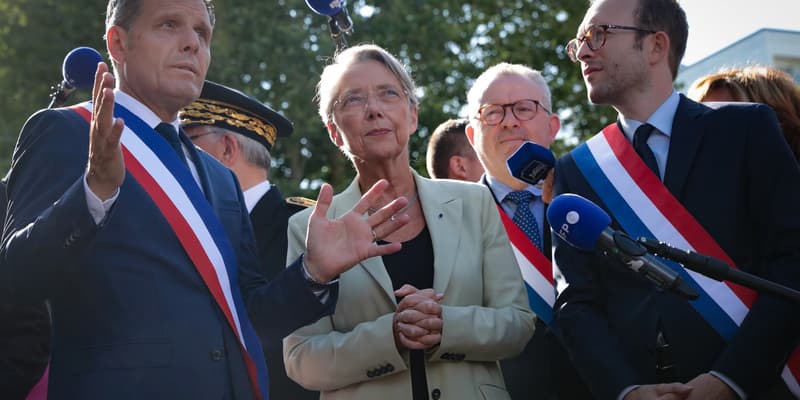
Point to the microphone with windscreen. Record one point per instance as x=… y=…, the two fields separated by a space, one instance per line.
x=78 y=70
x=531 y=163
x=338 y=19
x=585 y=226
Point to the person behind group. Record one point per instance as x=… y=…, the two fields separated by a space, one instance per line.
x=721 y=182
x=508 y=105
x=432 y=320
x=240 y=131
x=757 y=84
x=449 y=154
x=143 y=245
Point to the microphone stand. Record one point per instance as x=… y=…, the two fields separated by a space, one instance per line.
x=718 y=269
x=337 y=35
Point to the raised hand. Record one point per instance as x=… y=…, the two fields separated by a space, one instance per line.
x=417 y=322
x=334 y=246
x=106 y=168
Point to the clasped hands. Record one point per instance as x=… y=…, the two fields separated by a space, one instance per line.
x=417 y=322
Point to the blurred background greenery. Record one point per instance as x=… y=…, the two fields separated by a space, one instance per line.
x=275 y=50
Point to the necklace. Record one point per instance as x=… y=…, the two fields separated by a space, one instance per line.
x=411 y=200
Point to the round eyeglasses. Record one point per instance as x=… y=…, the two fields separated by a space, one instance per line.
x=523 y=110
x=595 y=38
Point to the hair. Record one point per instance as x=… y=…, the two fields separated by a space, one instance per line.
x=669 y=17
x=483 y=81
x=254 y=152
x=328 y=86
x=448 y=139
x=123 y=12
x=759 y=84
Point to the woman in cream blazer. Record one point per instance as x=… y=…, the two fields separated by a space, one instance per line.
x=482 y=315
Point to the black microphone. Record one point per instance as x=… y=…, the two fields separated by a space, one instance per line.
x=531 y=163
x=338 y=19
x=718 y=269
x=78 y=71
x=584 y=225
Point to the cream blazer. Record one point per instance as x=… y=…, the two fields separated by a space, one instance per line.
x=351 y=354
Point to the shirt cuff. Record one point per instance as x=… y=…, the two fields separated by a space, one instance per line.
x=728 y=381
x=97 y=208
x=626 y=391
x=321 y=290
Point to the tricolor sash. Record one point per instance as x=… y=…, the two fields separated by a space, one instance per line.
x=156 y=167
x=644 y=207
x=536 y=269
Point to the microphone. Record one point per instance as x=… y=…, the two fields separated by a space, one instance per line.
x=338 y=18
x=717 y=269
x=584 y=225
x=78 y=71
x=531 y=163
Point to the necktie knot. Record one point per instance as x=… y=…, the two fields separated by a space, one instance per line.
x=643 y=150
x=520 y=197
x=168 y=132
x=523 y=216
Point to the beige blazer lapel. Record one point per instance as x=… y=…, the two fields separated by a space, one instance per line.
x=444 y=217
x=374 y=265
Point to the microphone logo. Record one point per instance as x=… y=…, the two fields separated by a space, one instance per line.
x=336 y=4
x=573 y=217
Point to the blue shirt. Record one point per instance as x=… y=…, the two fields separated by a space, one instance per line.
x=661 y=119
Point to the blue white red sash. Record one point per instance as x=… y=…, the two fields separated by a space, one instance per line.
x=637 y=198
x=537 y=270
x=171 y=186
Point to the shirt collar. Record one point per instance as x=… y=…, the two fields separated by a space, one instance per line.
x=501 y=190
x=661 y=119
x=141 y=110
x=254 y=194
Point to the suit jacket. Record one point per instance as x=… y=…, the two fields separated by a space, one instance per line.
x=24 y=339
x=733 y=172
x=352 y=355
x=270 y=218
x=132 y=318
x=542 y=371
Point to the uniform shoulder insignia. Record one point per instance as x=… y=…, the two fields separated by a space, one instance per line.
x=299 y=203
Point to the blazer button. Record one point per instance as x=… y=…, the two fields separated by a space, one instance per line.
x=216 y=354
x=370 y=374
x=436 y=394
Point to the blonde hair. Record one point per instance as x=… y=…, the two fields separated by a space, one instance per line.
x=759 y=84
x=328 y=86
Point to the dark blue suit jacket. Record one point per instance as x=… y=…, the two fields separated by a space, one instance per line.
x=730 y=167
x=132 y=318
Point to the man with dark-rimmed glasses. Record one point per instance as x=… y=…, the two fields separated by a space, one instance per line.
x=716 y=181
x=508 y=105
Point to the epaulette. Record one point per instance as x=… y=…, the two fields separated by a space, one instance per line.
x=299 y=203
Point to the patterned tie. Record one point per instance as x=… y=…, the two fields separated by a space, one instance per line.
x=167 y=131
x=524 y=218
x=643 y=150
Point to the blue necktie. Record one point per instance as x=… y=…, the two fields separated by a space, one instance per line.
x=168 y=132
x=643 y=150
x=524 y=218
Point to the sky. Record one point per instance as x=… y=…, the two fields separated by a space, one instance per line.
x=715 y=24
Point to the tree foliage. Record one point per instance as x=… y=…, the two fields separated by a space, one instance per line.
x=275 y=51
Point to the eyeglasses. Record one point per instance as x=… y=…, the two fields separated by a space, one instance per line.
x=595 y=38
x=523 y=110
x=357 y=101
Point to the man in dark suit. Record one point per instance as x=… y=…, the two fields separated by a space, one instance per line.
x=240 y=131
x=143 y=244
x=508 y=105
x=719 y=180
x=24 y=339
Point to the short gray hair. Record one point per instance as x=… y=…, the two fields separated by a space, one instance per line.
x=254 y=152
x=483 y=81
x=328 y=86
